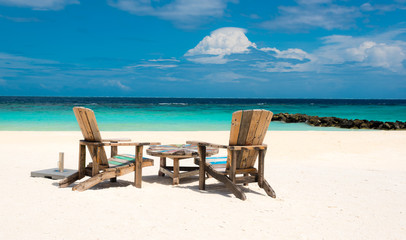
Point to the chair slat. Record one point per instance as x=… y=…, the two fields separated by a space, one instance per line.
x=234 y=132
x=90 y=131
x=244 y=127
x=263 y=127
x=87 y=134
x=242 y=136
x=78 y=116
x=235 y=128
x=253 y=129
x=260 y=133
x=251 y=136
x=93 y=125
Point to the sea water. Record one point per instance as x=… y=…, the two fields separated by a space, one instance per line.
x=180 y=114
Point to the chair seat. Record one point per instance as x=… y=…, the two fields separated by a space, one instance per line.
x=220 y=163
x=126 y=159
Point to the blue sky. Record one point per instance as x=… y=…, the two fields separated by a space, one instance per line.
x=211 y=48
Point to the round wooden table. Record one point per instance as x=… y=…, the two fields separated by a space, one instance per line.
x=177 y=152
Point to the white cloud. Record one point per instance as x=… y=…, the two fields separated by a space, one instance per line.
x=153 y=65
x=337 y=51
x=9 y=61
x=224 y=77
x=223 y=41
x=172 y=79
x=315 y=13
x=379 y=55
x=39 y=4
x=184 y=13
x=209 y=59
x=220 y=43
x=283 y=66
x=275 y=66
x=374 y=51
x=291 y=53
x=116 y=83
x=159 y=63
x=230 y=77
x=164 y=60
x=368 y=7
x=20 y=19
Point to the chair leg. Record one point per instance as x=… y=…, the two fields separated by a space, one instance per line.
x=113 y=152
x=98 y=178
x=245 y=175
x=202 y=167
x=268 y=189
x=229 y=184
x=262 y=183
x=69 y=180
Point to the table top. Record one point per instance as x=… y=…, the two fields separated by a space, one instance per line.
x=178 y=151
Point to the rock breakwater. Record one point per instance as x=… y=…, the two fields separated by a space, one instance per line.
x=338 y=122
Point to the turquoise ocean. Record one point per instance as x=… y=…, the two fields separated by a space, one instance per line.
x=181 y=114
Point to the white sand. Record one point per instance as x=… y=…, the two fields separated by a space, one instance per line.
x=329 y=185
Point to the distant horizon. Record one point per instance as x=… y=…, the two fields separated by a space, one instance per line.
x=287 y=98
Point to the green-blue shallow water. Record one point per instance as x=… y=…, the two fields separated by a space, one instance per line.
x=180 y=114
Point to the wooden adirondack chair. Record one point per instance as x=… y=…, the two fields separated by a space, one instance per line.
x=248 y=129
x=102 y=168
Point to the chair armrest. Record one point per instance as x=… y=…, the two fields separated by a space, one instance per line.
x=207 y=144
x=116 y=140
x=133 y=144
x=83 y=142
x=251 y=147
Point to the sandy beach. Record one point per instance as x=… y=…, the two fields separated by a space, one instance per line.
x=329 y=185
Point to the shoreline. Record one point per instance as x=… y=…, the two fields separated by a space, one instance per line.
x=329 y=184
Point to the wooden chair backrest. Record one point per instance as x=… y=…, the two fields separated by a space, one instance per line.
x=248 y=127
x=90 y=131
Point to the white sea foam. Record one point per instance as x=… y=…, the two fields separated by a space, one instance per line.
x=183 y=104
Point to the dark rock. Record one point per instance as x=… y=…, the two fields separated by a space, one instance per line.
x=347 y=123
x=338 y=122
x=364 y=125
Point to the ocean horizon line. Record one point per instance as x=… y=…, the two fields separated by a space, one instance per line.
x=169 y=97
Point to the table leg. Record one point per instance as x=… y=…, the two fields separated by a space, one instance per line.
x=163 y=165
x=175 y=171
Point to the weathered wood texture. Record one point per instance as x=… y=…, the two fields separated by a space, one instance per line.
x=102 y=168
x=229 y=184
x=69 y=180
x=113 y=152
x=248 y=130
x=138 y=166
x=202 y=166
x=178 y=152
x=90 y=131
x=162 y=164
